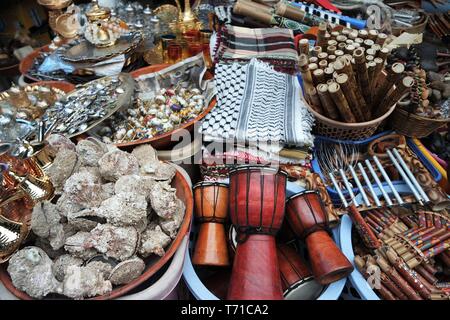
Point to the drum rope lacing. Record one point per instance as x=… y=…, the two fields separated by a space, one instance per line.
x=212 y=219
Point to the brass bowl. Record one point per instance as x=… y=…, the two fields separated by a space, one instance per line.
x=55 y=4
x=63 y=27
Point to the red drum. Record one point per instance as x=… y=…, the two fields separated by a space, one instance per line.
x=211 y=210
x=257 y=203
x=307 y=216
x=296 y=278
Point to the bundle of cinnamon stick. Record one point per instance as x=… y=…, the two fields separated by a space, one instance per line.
x=345 y=78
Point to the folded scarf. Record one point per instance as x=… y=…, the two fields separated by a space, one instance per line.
x=258 y=105
x=273 y=45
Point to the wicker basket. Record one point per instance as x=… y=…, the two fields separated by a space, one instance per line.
x=412 y=125
x=346 y=131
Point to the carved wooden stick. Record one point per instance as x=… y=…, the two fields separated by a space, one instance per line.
x=349 y=92
x=328 y=71
x=348 y=69
x=303 y=64
x=363 y=77
x=322 y=56
x=316 y=50
x=321 y=35
x=323 y=64
x=339 y=99
x=381 y=38
x=363 y=34
x=401 y=87
x=331 y=50
x=373 y=34
x=318 y=77
x=394 y=75
x=328 y=105
x=303 y=46
x=314 y=100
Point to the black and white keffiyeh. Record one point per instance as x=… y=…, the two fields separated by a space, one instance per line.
x=258 y=105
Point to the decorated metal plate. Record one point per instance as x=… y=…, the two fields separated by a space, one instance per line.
x=90 y=104
x=84 y=51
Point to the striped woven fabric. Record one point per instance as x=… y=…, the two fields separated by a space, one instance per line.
x=273 y=45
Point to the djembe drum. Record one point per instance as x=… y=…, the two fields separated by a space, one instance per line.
x=211 y=210
x=307 y=216
x=296 y=278
x=257 y=203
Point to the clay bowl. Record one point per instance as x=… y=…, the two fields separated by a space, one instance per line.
x=163 y=141
x=28 y=61
x=153 y=264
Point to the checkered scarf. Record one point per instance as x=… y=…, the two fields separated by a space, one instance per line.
x=258 y=105
x=273 y=45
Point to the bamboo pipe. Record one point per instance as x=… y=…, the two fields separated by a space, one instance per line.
x=328 y=71
x=323 y=64
x=303 y=46
x=303 y=64
x=328 y=105
x=339 y=99
x=349 y=49
x=393 y=76
x=381 y=38
x=316 y=50
x=373 y=34
x=353 y=35
x=318 y=77
x=331 y=50
x=314 y=100
x=338 y=53
x=322 y=30
x=401 y=87
x=349 y=92
x=363 y=34
x=371 y=65
x=363 y=78
x=322 y=56
x=348 y=69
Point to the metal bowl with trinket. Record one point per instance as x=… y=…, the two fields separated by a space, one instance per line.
x=90 y=104
x=31 y=101
x=82 y=51
x=157 y=114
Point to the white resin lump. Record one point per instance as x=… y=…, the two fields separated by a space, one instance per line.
x=114 y=210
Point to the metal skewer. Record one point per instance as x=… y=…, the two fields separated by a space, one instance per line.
x=405 y=177
x=349 y=188
x=369 y=184
x=336 y=186
x=389 y=182
x=360 y=187
x=378 y=182
x=411 y=176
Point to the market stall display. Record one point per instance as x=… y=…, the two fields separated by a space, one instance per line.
x=295 y=121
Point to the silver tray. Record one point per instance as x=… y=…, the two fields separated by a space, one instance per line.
x=80 y=51
x=122 y=101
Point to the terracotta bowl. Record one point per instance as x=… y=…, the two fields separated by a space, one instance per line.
x=163 y=141
x=28 y=61
x=153 y=264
